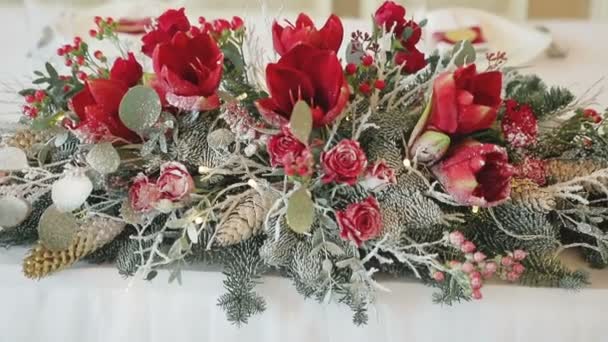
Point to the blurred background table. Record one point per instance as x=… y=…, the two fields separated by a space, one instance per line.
x=91 y=303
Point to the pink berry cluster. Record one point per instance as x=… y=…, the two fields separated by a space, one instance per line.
x=478 y=268
x=34 y=103
x=77 y=57
x=366 y=86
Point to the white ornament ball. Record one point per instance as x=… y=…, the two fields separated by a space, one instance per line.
x=70 y=192
x=13 y=211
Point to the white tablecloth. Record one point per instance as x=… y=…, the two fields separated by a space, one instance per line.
x=92 y=304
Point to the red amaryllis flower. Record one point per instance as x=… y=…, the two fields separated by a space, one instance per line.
x=344 y=163
x=97 y=109
x=476 y=174
x=329 y=37
x=143 y=194
x=465 y=101
x=360 y=221
x=174 y=181
x=127 y=70
x=309 y=74
x=168 y=24
x=189 y=70
x=519 y=125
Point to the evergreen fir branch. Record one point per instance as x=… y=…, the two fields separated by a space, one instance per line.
x=544 y=101
x=27 y=232
x=243 y=269
x=547 y=270
x=449 y=292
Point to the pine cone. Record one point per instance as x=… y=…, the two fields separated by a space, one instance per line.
x=559 y=171
x=246 y=218
x=26 y=138
x=527 y=193
x=94 y=234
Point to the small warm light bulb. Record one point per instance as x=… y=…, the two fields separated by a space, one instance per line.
x=252 y=183
x=199 y=220
x=475 y=209
x=407 y=163
x=203 y=169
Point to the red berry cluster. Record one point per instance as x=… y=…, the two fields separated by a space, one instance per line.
x=35 y=102
x=366 y=87
x=219 y=27
x=105 y=28
x=592 y=115
x=77 y=57
x=478 y=269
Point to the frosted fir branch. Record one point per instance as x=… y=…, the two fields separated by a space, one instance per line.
x=571 y=188
x=502 y=228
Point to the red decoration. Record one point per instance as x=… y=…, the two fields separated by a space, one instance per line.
x=344 y=163
x=519 y=125
x=360 y=221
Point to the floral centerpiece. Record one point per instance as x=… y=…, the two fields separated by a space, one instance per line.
x=329 y=170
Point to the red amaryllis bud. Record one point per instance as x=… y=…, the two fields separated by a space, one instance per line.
x=476 y=174
x=360 y=221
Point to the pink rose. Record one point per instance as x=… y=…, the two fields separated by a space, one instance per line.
x=360 y=221
x=143 y=194
x=519 y=254
x=175 y=181
x=344 y=163
x=476 y=174
x=378 y=176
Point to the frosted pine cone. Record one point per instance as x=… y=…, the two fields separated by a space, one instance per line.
x=560 y=171
x=245 y=219
x=529 y=194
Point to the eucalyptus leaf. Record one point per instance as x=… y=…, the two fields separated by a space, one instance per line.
x=463 y=53
x=300 y=211
x=104 y=158
x=151 y=275
x=140 y=108
x=301 y=121
x=56 y=229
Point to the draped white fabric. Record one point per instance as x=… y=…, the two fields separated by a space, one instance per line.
x=95 y=304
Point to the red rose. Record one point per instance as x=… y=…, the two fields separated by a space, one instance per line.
x=189 y=70
x=360 y=221
x=282 y=144
x=391 y=16
x=378 y=176
x=344 y=163
x=476 y=174
x=174 y=181
x=168 y=24
x=329 y=37
x=143 y=194
x=519 y=125
x=411 y=59
x=465 y=101
x=309 y=74
x=127 y=70
x=97 y=109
